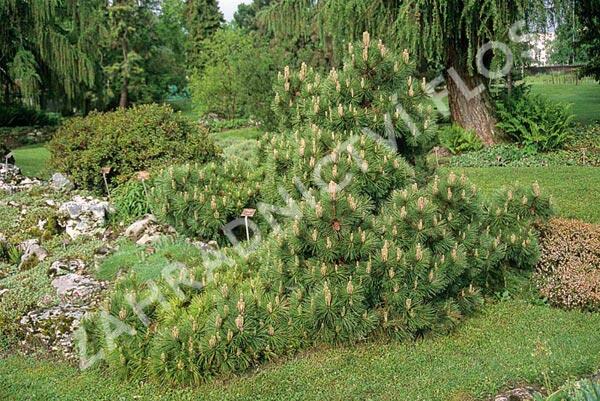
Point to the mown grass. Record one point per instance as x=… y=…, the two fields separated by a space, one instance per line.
x=511 y=342
x=584 y=97
x=33 y=160
x=574 y=190
x=240 y=134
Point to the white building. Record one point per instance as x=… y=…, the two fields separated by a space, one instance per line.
x=541 y=45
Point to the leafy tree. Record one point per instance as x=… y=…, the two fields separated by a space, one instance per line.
x=171 y=32
x=144 y=56
x=246 y=15
x=236 y=78
x=566 y=47
x=589 y=14
x=203 y=18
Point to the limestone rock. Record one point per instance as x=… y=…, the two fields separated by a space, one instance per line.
x=139 y=228
x=77 y=289
x=31 y=250
x=11 y=179
x=61 y=268
x=517 y=394
x=83 y=216
x=54 y=326
x=147 y=230
x=59 y=182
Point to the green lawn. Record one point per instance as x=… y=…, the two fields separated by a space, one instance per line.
x=33 y=160
x=242 y=133
x=584 y=97
x=511 y=342
x=574 y=190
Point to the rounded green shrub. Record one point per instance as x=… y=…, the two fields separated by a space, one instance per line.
x=127 y=141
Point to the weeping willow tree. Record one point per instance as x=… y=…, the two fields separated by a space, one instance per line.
x=452 y=32
x=443 y=33
x=48 y=49
x=330 y=23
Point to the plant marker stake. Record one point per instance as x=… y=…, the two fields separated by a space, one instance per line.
x=247 y=232
x=245 y=214
x=105 y=171
x=8 y=156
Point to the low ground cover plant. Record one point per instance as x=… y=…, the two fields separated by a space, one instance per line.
x=510 y=155
x=568 y=273
x=458 y=140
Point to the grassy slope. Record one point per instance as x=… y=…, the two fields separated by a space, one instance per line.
x=574 y=190
x=584 y=97
x=33 y=160
x=510 y=342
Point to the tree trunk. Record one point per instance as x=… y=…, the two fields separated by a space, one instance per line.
x=468 y=97
x=124 y=99
x=470 y=107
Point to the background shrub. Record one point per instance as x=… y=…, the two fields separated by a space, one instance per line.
x=459 y=140
x=127 y=141
x=568 y=273
x=534 y=122
x=18 y=115
x=219 y=125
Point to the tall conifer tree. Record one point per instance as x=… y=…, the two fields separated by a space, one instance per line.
x=203 y=18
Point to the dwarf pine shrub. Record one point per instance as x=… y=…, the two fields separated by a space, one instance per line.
x=364 y=250
x=199 y=200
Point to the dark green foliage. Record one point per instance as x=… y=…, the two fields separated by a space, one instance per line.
x=202 y=19
x=19 y=115
x=588 y=11
x=459 y=140
x=49 y=50
x=534 y=122
x=127 y=141
x=198 y=201
x=246 y=15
